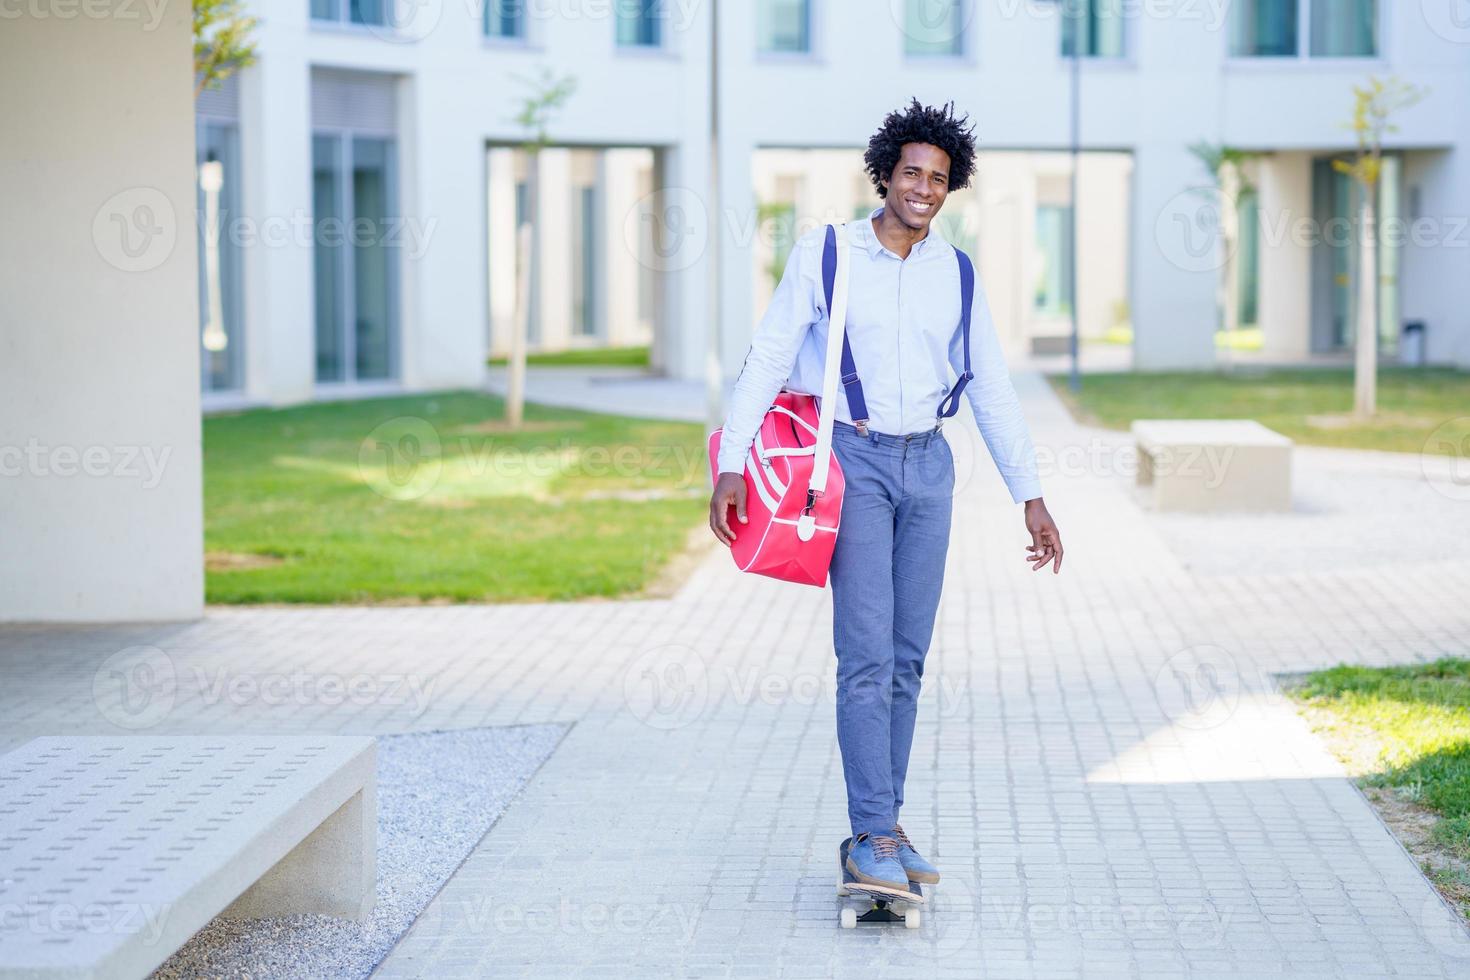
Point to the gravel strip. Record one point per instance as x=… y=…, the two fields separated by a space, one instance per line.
x=438 y=794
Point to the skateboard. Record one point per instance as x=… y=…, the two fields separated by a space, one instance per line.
x=880 y=906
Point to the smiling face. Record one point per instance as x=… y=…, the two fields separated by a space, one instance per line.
x=918 y=186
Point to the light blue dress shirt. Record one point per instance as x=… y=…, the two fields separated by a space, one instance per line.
x=903 y=322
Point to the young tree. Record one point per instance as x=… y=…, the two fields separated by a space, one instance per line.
x=1373 y=105
x=548 y=93
x=222 y=42
x=1226 y=166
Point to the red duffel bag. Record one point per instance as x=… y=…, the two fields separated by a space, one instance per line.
x=793 y=481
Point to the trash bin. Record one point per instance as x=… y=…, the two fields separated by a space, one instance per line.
x=1411 y=344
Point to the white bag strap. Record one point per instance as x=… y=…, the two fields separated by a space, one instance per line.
x=827 y=411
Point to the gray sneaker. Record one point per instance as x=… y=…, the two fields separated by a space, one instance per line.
x=914 y=865
x=874 y=861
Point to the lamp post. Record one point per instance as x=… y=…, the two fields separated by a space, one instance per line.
x=1064 y=9
x=713 y=334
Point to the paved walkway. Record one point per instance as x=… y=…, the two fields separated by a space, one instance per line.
x=1102 y=769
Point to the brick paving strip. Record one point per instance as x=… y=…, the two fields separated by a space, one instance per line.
x=1103 y=769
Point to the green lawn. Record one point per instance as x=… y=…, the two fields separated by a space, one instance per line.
x=1406 y=731
x=430 y=498
x=1307 y=404
x=588 y=356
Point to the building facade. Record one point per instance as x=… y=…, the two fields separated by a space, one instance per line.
x=360 y=186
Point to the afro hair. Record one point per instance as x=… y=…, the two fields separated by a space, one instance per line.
x=922 y=124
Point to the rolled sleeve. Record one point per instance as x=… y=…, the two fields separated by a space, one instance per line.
x=993 y=399
x=796 y=305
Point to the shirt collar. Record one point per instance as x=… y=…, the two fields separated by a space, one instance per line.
x=869 y=238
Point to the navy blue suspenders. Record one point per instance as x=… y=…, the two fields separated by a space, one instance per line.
x=850 y=383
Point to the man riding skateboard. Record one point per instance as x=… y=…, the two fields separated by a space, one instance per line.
x=903 y=323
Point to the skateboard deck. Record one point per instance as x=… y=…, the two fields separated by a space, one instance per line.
x=880 y=905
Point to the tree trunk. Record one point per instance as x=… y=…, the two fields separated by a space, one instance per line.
x=1229 y=270
x=515 y=397
x=1365 y=370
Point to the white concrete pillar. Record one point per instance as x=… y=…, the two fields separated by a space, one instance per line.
x=500 y=218
x=1435 y=277
x=276 y=180
x=100 y=469
x=554 y=250
x=1284 y=192
x=444 y=314
x=1176 y=260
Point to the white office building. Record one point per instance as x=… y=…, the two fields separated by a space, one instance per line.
x=362 y=183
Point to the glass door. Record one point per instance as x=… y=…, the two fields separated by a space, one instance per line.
x=354 y=191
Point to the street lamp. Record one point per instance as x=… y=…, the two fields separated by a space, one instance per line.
x=1064 y=10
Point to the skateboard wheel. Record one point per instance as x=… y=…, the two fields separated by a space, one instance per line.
x=849 y=918
x=912 y=919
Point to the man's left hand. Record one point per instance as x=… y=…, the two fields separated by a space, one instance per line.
x=1046 y=541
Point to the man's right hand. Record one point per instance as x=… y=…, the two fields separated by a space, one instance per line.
x=729 y=490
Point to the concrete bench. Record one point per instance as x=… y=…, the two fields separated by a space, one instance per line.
x=1213 y=464
x=115 y=850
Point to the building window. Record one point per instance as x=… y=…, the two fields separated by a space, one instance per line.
x=1275 y=28
x=220 y=320
x=352 y=11
x=640 y=23
x=784 y=26
x=935 y=27
x=1344 y=29
x=1263 y=28
x=354 y=200
x=1053 y=242
x=1098 y=23
x=505 y=19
